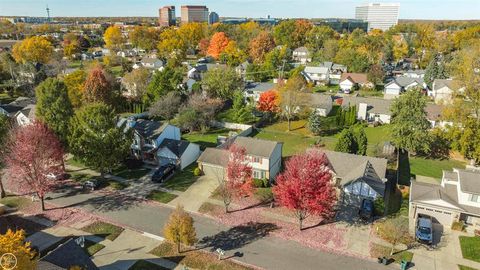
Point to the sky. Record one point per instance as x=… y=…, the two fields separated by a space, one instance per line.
x=409 y=9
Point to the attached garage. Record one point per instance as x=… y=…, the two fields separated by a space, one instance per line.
x=212 y=170
x=213 y=162
x=443 y=217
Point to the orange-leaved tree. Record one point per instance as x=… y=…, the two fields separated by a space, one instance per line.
x=268 y=102
x=218 y=43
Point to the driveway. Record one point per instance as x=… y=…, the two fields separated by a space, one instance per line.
x=196 y=194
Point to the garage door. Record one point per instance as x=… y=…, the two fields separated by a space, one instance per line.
x=212 y=171
x=439 y=216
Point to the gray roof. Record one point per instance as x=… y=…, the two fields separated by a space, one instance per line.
x=328 y=65
x=450 y=175
x=469 y=181
x=215 y=156
x=149 y=129
x=69 y=254
x=418 y=71
x=317 y=100
x=404 y=81
x=256 y=147
x=420 y=191
x=259 y=86
x=22 y=101
x=11 y=109
x=350 y=167
x=177 y=147
x=301 y=49
x=316 y=70
x=452 y=84
x=374 y=105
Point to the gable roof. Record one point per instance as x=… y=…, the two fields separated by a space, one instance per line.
x=360 y=78
x=350 y=167
x=254 y=146
x=10 y=109
x=22 y=101
x=469 y=181
x=318 y=100
x=425 y=192
x=404 y=81
x=374 y=105
x=69 y=254
x=316 y=70
x=177 y=147
x=149 y=129
x=301 y=49
x=259 y=86
x=215 y=156
x=451 y=84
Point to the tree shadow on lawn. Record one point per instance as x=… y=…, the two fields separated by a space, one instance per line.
x=238 y=236
x=108 y=202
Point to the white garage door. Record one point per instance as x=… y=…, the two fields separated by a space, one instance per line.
x=440 y=216
x=212 y=171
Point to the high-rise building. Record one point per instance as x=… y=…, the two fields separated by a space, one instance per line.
x=194 y=14
x=378 y=15
x=167 y=16
x=213 y=18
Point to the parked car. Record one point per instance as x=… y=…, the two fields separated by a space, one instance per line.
x=163 y=173
x=366 y=209
x=56 y=176
x=424 y=230
x=90 y=184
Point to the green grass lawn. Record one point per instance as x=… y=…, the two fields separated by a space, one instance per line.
x=181 y=180
x=146 y=265
x=433 y=167
x=208 y=139
x=470 y=247
x=463 y=267
x=126 y=173
x=15 y=201
x=292 y=143
x=92 y=247
x=75 y=64
x=377 y=250
x=103 y=229
x=75 y=163
x=117 y=71
x=160 y=196
x=227 y=116
x=326 y=88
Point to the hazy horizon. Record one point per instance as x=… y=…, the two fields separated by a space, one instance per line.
x=409 y=9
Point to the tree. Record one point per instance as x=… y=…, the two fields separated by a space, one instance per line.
x=291 y=98
x=34 y=49
x=218 y=43
x=34 y=153
x=4 y=130
x=179 y=228
x=410 y=126
x=316 y=123
x=144 y=37
x=268 y=101
x=306 y=186
x=198 y=113
x=137 y=82
x=241 y=111
x=203 y=46
x=260 y=46
x=361 y=140
x=222 y=83
x=14 y=243
x=171 y=45
x=318 y=35
x=346 y=142
x=394 y=230
x=166 y=107
x=400 y=50
x=95 y=138
x=113 y=38
x=163 y=82
x=435 y=70
x=74 y=82
x=97 y=88
x=53 y=107
x=292 y=33
x=238 y=180
x=191 y=34
x=376 y=74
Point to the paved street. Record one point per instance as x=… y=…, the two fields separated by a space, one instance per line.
x=266 y=252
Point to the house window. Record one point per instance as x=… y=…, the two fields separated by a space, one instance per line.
x=474 y=198
x=257 y=160
x=258 y=174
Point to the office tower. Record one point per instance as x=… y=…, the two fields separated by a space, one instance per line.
x=194 y=14
x=213 y=18
x=167 y=16
x=378 y=15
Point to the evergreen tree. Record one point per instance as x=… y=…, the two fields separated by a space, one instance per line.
x=360 y=140
x=346 y=142
x=435 y=70
x=315 y=123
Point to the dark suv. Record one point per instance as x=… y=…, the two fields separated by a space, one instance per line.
x=163 y=173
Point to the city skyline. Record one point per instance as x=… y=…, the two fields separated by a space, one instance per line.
x=409 y=9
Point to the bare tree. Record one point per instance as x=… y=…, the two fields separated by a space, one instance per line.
x=166 y=107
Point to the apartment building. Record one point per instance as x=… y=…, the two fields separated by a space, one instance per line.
x=167 y=16
x=378 y=15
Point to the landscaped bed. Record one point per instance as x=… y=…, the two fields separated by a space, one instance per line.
x=103 y=229
x=161 y=196
x=195 y=259
x=92 y=247
x=377 y=251
x=146 y=265
x=470 y=247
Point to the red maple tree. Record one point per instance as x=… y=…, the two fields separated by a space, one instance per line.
x=97 y=87
x=218 y=43
x=238 y=180
x=268 y=102
x=203 y=46
x=306 y=186
x=35 y=154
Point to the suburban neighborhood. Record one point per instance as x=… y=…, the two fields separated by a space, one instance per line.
x=194 y=139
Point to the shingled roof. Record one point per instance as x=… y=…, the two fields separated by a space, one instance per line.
x=69 y=254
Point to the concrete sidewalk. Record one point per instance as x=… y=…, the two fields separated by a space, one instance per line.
x=198 y=193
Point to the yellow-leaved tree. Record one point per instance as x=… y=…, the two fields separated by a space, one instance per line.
x=14 y=243
x=113 y=38
x=34 y=49
x=179 y=228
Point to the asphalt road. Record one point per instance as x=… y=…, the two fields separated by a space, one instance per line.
x=249 y=244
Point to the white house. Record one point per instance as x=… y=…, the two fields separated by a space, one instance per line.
x=320 y=103
x=150 y=63
x=442 y=90
x=178 y=152
x=301 y=55
x=370 y=109
x=457 y=198
x=25 y=116
x=264 y=156
x=434 y=116
x=351 y=81
x=316 y=74
x=419 y=73
x=401 y=84
x=254 y=90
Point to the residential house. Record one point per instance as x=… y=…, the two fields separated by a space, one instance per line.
x=25 y=116
x=457 y=198
x=151 y=63
x=254 y=90
x=196 y=73
x=264 y=156
x=301 y=55
x=357 y=177
x=442 y=90
x=434 y=116
x=352 y=81
x=415 y=74
x=401 y=84
x=316 y=75
x=370 y=109
x=321 y=104
x=9 y=110
x=336 y=71
x=242 y=69
x=66 y=256
x=178 y=152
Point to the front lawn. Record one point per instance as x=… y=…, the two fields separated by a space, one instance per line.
x=195 y=259
x=182 y=180
x=470 y=247
x=75 y=163
x=463 y=267
x=103 y=229
x=377 y=251
x=146 y=265
x=92 y=247
x=207 y=139
x=129 y=174
x=433 y=167
x=160 y=196
x=13 y=201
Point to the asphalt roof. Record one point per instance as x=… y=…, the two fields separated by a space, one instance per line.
x=374 y=105
x=259 y=86
x=149 y=129
x=469 y=181
x=10 y=108
x=452 y=84
x=319 y=70
x=404 y=81
x=355 y=77
x=69 y=254
x=318 y=100
x=177 y=147
x=215 y=156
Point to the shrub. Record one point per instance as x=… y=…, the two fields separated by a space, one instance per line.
x=458 y=226
x=197 y=172
x=266 y=182
x=258 y=183
x=264 y=194
x=379 y=206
